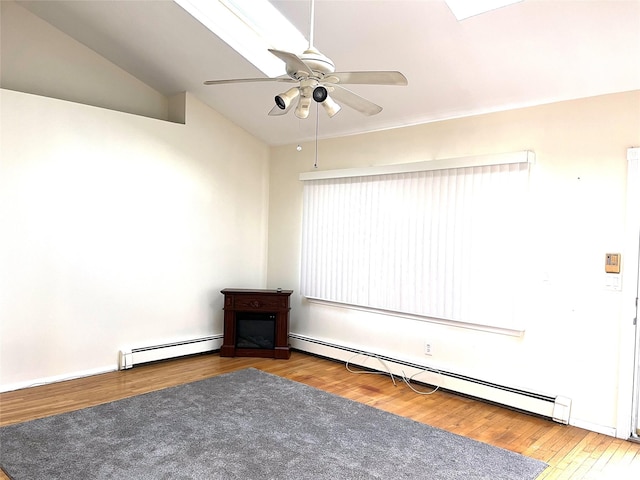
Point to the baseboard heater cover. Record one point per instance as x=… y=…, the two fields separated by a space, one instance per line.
x=128 y=357
x=556 y=408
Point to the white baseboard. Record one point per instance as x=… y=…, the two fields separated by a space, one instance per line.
x=594 y=427
x=128 y=357
x=58 y=378
x=553 y=407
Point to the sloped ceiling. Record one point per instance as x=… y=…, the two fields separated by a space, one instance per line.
x=533 y=52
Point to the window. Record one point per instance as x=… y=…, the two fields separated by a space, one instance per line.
x=444 y=243
x=250 y=27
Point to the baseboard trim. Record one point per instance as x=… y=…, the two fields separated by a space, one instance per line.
x=554 y=408
x=128 y=357
x=594 y=427
x=57 y=378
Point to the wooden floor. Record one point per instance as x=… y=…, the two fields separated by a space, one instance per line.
x=572 y=453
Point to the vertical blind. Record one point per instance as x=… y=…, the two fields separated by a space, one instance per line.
x=443 y=243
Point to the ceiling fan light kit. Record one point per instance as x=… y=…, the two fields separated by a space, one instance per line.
x=320 y=94
x=302 y=110
x=317 y=79
x=331 y=106
x=284 y=100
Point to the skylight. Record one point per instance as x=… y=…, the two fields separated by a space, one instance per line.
x=468 y=8
x=250 y=27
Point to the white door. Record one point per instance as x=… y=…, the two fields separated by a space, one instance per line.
x=632 y=268
x=635 y=432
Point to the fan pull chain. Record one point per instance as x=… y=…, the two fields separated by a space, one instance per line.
x=315 y=163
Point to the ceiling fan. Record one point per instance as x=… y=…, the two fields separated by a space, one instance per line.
x=317 y=79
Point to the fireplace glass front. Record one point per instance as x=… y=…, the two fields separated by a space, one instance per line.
x=255 y=330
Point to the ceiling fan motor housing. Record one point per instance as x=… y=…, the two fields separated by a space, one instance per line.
x=317 y=61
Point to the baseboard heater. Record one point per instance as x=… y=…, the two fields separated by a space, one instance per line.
x=556 y=408
x=135 y=356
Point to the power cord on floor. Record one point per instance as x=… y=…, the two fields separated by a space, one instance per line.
x=374 y=372
x=435 y=389
x=406 y=380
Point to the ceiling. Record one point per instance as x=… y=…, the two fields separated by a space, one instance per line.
x=530 y=53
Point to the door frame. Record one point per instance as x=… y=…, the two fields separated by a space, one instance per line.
x=629 y=365
x=635 y=403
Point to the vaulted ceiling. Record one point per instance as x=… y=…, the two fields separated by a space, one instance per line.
x=533 y=52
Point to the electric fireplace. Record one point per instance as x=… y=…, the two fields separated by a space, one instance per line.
x=256 y=323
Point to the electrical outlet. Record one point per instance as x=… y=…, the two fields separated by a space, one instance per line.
x=428 y=348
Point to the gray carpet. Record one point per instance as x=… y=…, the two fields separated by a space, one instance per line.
x=246 y=425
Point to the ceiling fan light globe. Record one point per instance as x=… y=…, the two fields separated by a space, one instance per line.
x=320 y=94
x=331 y=107
x=302 y=110
x=284 y=99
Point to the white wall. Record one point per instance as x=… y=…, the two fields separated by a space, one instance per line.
x=572 y=336
x=38 y=58
x=119 y=230
x=116 y=229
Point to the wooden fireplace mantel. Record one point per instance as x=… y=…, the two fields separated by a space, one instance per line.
x=238 y=301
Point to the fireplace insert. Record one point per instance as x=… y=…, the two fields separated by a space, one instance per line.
x=255 y=330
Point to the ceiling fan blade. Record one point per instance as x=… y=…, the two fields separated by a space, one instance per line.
x=249 y=80
x=368 y=78
x=355 y=101
x=275 y=111
x=295 y=67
